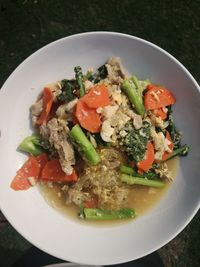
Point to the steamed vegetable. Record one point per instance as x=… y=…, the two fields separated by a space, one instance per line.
x=146 y=163
x=166 y=154
x=157 y=97
x=99 y=75
x=53 y=172
x=30 y=169
x=84 y=146
x=135 y=142
x=98 y=96
x=133 y=91
x=129 y=179
x=160 y=113
x=175 y=135
x=87 y=117
x=131 y=171
x=181 y=151
x=99 y=214
x=47 y=104
x=31 y=145
x=68 y=90
x=79 y=79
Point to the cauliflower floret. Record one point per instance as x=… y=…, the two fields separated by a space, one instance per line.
x=106 y=131
x=119 y=120
x=164 y=172
x=159 y=143
x=109 y=111
x=166 y=145
x=115 y=93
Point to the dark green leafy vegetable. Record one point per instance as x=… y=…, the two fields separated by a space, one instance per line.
x=68 y=90
x=32 y=145
x=131 y=171
x=135 y=142
x=181 y=151
x=131 y=180
x=80 y=80
x=176 y=136
x=100 y=141
x=99 y=75
x=99 y=214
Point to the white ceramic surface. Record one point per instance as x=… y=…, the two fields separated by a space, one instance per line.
x=45 y=227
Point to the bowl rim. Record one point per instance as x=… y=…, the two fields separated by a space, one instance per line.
x=85 y=34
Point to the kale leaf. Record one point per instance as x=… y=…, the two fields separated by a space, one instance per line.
x=176 y=136
x=68 y=90
x=135 y=142
x=100 y=74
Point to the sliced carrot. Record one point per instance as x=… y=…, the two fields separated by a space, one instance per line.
x=171 y=146
x=47 y=104
x=157 y=97
x=139 y=171
x=148 y=160
x=29 y=169
x=88 y=118
x=160 y=113
x=90 y=203
x=98 y=96
x=42 y=159
x=52 y=171
x=150 y=86
x=131 y=164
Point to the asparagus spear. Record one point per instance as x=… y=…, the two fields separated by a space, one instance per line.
x=32 y=145
x=131 y=171
x=84 y=146
x=140 y=181
x=133 y=90
x=99 y=214
x=79 y=79
x=137 y=85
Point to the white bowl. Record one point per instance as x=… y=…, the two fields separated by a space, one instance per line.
x=48 y=229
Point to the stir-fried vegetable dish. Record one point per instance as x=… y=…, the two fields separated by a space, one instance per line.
x=97 y=136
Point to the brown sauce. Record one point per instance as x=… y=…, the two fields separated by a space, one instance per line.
x=141 y=198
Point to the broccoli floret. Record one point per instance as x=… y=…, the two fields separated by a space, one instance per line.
x=68 y=90
x=135 y=142
x=31 y=145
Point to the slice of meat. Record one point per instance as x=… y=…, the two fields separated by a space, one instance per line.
x=56 y=131
x=116 y=72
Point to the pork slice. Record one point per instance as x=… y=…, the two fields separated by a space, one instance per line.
x=57 y=132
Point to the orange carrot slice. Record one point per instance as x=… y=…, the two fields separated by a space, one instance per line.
x=157 y=97
x=90 y=203
x=98 y=96
x=166 y=154
x=88 y=118
x=160 y=113
x=42 y=159
x=47 y=104
x=146 y=163
x=30 y=168
x=52 y=171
